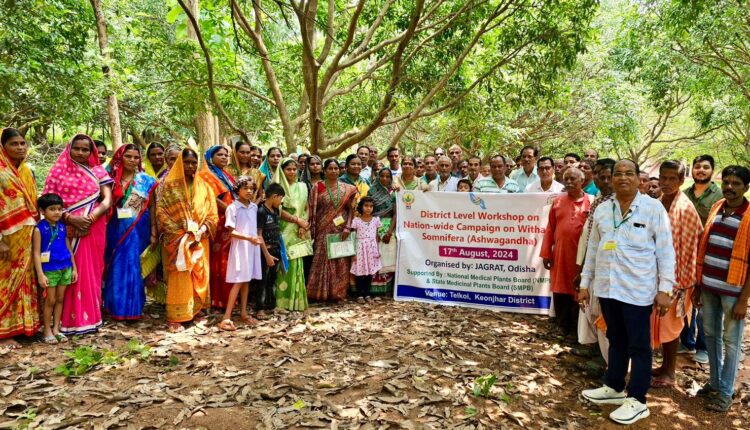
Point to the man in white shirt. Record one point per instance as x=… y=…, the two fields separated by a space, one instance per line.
x=630 y=264
x=394 y=161
x=363 y=152
x=545 y=167
x=445 y=181
x=527 y=173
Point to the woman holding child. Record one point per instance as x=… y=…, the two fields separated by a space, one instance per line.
x=19 y=314
x=84 y=186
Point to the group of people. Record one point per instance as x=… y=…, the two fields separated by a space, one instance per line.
x=200 y=231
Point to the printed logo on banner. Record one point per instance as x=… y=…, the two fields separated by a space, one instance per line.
x=408 y=199
x=477 y=201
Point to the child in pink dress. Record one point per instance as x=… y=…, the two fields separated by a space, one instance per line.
x=367 y=261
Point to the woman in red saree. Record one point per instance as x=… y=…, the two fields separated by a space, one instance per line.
x=186 y=211
x=221 y=183
x=84 y=186
x=19 y=314
x=331 y=213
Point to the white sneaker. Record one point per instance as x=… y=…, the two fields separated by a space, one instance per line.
x=631 y=411
x=604 y=396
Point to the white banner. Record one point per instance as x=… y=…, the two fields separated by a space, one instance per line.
x=472 y=249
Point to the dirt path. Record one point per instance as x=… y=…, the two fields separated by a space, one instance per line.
x=380 y=366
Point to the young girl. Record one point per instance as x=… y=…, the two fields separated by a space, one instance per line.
x=464 y=186
x=244 y=252
x=367 y=262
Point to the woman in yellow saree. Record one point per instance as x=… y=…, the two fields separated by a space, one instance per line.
x=19 y=314
x=187 y=216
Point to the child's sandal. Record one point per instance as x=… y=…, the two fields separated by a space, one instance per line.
x=50 y=340
x=61 y=338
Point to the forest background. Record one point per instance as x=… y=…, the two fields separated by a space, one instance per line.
x=644 y=79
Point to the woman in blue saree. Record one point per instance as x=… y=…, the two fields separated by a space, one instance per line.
x=131 y=229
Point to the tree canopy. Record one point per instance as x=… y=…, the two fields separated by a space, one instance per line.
x=645 y=79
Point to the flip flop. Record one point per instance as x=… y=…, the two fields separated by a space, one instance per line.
x=249 y=320
x=175 y=327
x=61 y=338
x=661 y=382
x=50 y=340
x=227 y=325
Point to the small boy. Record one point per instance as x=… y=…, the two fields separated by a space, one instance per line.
x=54 y=263
x=270 y=231
x=464 y=186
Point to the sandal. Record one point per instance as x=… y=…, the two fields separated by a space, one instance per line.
x=61 y=338
x=662 y=382
x=227 y=325
x=247 y=319
x=707 y=391
x=361 y=300
x=175 y=327
x=719 y=403
x=50 y=340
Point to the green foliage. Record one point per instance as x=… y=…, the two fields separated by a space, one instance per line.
x=483 y=385
x=86 y=358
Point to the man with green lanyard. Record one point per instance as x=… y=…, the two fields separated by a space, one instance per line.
x=630 y=265
x=703 y=193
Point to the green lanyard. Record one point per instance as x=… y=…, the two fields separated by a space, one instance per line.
x=336 y=201
x=624 y=220
x=53 y=237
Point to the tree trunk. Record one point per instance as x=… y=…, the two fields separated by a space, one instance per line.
x=205 y=120
x=113 y=109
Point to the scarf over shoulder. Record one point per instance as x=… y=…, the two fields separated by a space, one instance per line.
x=180 y=210
x=738 y=261
x=17 y=196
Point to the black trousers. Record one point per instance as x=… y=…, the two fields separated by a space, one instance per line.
x=363 y=283
x=566 y=312
x=265 y=296
x=629 y=334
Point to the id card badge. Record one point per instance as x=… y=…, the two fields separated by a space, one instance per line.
x=124 y=213
x=610 y=245
x=45 y=256
x=339 y=220
x=192 y=226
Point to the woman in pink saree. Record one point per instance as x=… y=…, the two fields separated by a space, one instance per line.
x=83 y=185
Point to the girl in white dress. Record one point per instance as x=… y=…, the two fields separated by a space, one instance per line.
x=244 y=253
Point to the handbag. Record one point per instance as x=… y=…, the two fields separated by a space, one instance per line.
x=337 y=248
x=150 y=260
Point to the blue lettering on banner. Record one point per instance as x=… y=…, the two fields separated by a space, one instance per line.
x=477 y=298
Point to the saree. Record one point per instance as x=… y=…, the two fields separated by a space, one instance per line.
x=221 y=183
x=127 y=238
x=329 y=279
x=362 y=187
x=385 y=202
x=148 y=168
x=79 y=186
x=152 y=268
x=236 y=172
x=19 y=312
x=181 y=210
x=291 y=293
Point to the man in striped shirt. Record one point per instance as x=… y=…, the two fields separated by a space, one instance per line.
x=630 y=264
x=725 y=285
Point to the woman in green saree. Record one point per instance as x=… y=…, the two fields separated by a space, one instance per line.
x=291 y=293
x=385 y=207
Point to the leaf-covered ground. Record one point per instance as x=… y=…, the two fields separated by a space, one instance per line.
x=386 y=365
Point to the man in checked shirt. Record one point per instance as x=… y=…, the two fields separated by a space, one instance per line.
x=630 y=265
